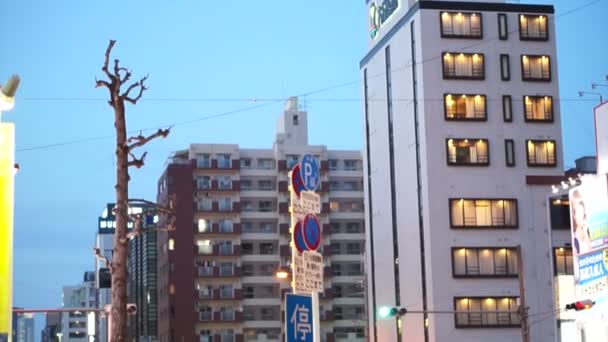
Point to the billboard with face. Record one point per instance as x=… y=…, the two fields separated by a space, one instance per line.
x=589 y=223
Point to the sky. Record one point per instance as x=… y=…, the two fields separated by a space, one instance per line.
x=218 y=73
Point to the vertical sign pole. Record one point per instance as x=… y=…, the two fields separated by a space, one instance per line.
x=316 y=321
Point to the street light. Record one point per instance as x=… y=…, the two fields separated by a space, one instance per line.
x=59 y=336
x=282 y=273
x=7 y=93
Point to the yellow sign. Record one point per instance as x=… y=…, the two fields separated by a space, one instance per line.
x=7 y=174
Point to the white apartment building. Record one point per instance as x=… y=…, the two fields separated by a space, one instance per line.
x=461 y=122
x=74 y=324
x=232 y=207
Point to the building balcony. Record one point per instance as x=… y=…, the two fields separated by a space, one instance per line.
x=220 y=230
x=328 y=294
x=218 y=208
x=283 y=186
x=284 y=251
x=217 y=294
x=218 y=251
x=282 y=165
x=216 y=272
x=283 y=208
x=215 y=164
x=327 y=316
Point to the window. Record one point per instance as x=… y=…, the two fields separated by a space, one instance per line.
x=465 y=107
x=562 y=258
x=484 y=262
x=224 y=182
x=225 y=247
x=538 y=108
x=503 y=30
x=559 y=210
x=509 y=152
x=468 y=66
x=226 y=226
x=505 y=70
x=246 y=184
x=333 y=164
x=352 y=165
x=265 y=184
x=226 y=291
x=171 y=244
x=507 y=108
x=351 y=186
x=245 y=163
x=204 y=247
x=461 y=25
x=541 y=153
x=489 y=312
x=483 y=213
x=223 y=161
x=265 y=206
x=203 y=182
x=246 y=206
x=468 y=152
x=334 y=186
x=204 y=226
x=203 y=160
x=296 y=120
x=247 y=269
x=225 y=204
x=265 y=164
x=533 y=27
x=292 y=160
x=535 y=68
x=204 y=204
x=247 y=248
x=353 y=228
x=267 y=248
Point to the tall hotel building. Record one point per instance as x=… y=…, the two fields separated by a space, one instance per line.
x=462 y=124
x=216 y=270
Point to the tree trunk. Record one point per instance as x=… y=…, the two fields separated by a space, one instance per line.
x=119 y=258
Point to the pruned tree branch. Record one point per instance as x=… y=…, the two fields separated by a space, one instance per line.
x=118 y=69
x=142 y=88
x=140 y=140
x=104 y=68
x=101 y=83
x=137 y=162
x=97 y=253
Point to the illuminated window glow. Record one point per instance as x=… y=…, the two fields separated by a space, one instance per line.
x=461 y=25
x=533 y=27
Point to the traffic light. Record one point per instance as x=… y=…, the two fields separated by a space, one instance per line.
x=580 y=305
x=388 y=311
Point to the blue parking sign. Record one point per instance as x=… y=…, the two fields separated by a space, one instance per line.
x=309 y=172
x=298 y=318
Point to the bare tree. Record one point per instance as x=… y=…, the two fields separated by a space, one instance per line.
x=124 y=159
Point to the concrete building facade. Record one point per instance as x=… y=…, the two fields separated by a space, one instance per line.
x=216 y=270
x=74 y=324
x=461 y=117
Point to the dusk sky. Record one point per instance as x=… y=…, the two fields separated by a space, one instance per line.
x=207 y=61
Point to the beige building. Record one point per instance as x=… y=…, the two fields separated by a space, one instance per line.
x=216 y=270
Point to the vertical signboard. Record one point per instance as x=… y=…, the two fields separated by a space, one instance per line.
x=298 y=318
x=589 y=227
x=601 y=137
x=7 y=173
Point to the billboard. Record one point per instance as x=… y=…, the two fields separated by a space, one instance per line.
x=589 y=227
x=601 y=137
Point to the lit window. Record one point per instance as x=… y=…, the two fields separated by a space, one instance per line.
x=334 y=206
x=461 y=25
x=172 y=289
x=535 y=68
x=541 y=153
x=465 y=107
x=463 y=66
x=204 y=226
x=171 y=244
x=468 y=152
x=559 y=211
x=483 y=213
x=484 y=262
x=562 y=257
x=538 y=108
x=490 y=312
x=533 y=27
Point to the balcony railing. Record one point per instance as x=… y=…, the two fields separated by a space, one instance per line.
x=205 y=316
x=205 y=271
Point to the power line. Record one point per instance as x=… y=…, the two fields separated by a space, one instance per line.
x=266 y=101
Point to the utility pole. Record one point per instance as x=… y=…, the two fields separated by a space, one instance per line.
x=124 y=159
x=523 y=309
